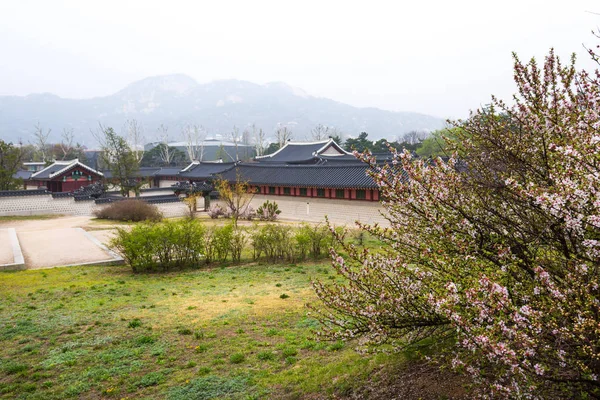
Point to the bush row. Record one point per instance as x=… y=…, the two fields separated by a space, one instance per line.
x=168 y=245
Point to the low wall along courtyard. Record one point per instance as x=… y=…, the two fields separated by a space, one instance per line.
x=38 y=203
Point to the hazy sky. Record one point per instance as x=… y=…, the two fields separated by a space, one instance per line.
x=436 y=57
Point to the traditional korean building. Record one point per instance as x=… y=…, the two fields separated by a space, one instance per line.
x=299 y=169
x=195 y=172
x=342 y=182
x=64 y=176
x=307 y=153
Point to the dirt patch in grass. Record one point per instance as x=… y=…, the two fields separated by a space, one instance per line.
x=413 y=380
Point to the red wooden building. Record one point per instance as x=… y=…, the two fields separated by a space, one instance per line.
x=64 y=176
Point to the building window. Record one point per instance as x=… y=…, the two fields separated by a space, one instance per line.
x=257 y=189
x=339 y=193
x=271 y=189
x=287 y=191
x=320 y=192
x=303 y=192
x=361 y=194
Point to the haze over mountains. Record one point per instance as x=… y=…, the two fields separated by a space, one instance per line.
x=177 y=100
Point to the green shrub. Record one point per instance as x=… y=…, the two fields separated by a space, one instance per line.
x=218 y=243
x=268 y=211
x=274 y=241
x=222 y=240
x=314 y=238
x=129 y=210
x=162 y=246
x=238 y=243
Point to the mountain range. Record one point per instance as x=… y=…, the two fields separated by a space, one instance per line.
x=177 y=100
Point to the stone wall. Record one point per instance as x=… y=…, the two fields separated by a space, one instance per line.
x=46 y=204
x=310 y=209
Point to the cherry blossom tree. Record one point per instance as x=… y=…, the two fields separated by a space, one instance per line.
x=494 y=254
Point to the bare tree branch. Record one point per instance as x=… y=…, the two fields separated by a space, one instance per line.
x=283 y=134
x=194 y=136
x=165 y=153
x=259 y=138
x=66 y=143
x=134 y=132
x=41 y=140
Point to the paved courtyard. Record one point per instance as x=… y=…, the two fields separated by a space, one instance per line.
x=57 y=242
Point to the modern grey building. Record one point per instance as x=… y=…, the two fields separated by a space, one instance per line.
x=213 y=150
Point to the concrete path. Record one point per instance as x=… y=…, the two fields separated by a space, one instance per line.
x=6 y=251
x=11 y=256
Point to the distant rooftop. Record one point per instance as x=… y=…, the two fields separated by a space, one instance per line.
x=303 y=151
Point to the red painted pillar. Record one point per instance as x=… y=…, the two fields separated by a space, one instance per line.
x=375 y=195
x=346 y=193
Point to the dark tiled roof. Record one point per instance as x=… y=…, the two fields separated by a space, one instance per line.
x=22 y=175
x=11 y=193
x=299 y=151
x=147 y=171
x=205 y=170
x=338 y=176
x=167 y=171
x=143 y=172
x=46 y=173
x=52 y=169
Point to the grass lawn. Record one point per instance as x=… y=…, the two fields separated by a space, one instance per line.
x=103 y=332
x=29 y=217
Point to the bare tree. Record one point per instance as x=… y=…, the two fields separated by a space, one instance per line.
x=134 y=132
x=41 y=140
x=194 y=137
x=165 y=154
x=319 y=132
x=283 y=134
x=118 y=157
x=246 y=141
x=234 y=136
x=66 y=142
x=413 y=137
x=259 y=139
